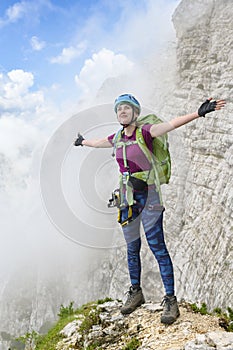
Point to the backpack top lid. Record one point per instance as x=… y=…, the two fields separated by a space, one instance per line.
x=148 y=119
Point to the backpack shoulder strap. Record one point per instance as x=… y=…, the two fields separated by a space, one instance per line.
x=142 y=144
x=116 y=138
x=149 y=156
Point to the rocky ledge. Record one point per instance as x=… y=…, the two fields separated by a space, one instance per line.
x=142 y=330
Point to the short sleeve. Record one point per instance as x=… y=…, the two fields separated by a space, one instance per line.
x=110 y=138
x=147 y=136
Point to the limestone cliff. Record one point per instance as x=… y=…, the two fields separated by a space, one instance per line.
x=202 y=245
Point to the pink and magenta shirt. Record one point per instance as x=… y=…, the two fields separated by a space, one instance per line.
x=136 y=159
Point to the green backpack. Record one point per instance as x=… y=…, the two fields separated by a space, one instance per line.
x=160 y=158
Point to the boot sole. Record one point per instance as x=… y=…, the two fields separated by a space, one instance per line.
x=169 y=320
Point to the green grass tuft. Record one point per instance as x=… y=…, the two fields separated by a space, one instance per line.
x=50 y=340
x=66 y=311
x=102 y=301
x=202 y=310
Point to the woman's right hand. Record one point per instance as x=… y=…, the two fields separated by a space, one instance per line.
x=79 y=140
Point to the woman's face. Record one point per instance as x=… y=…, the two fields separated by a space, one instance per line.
x=124 y=113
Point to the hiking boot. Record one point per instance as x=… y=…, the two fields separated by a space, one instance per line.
x=135 y=298
x=170 y=309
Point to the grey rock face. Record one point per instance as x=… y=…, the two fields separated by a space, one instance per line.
x=202 y=248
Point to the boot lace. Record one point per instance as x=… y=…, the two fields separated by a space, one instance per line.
x=166 y=302
x=130 y=295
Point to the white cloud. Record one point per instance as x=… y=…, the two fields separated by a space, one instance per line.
x=70 y=53
x=141 y=35
x=37 y=44
x=102 y=65
x=20 y=82
x=15 y=135
x=26 y=119
x=146 y=29
x=21 y=9
x=16 y=11
x=15 y=92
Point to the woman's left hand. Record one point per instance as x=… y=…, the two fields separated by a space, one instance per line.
x=210 y=106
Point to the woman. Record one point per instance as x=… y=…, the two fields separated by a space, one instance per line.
x=146 y=206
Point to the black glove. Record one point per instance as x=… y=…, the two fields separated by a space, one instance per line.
x=206 y=107
x=79 y=140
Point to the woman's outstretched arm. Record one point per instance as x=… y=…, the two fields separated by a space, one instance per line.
x=96 y=143
x=207 y=107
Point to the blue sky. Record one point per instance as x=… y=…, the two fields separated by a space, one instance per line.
x=52 y=39
x=35 y=33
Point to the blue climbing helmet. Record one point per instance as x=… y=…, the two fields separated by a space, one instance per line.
x=127 y=98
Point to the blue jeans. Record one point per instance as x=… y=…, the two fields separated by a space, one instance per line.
x=147 y=210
